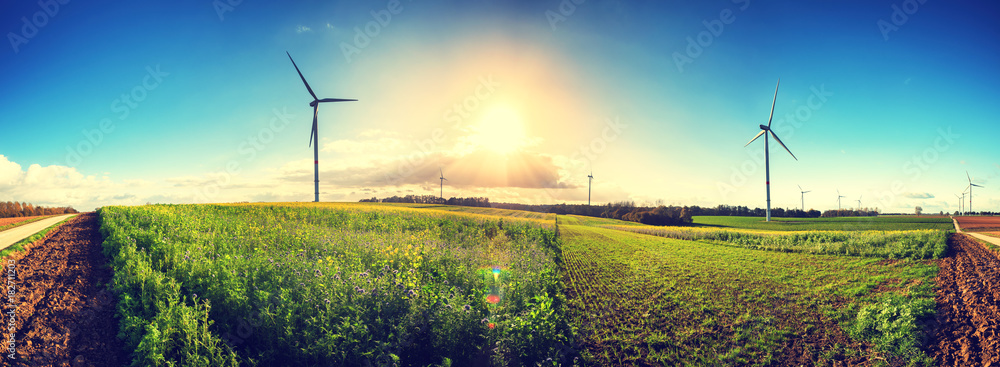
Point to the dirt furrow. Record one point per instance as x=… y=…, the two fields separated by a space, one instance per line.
x=968 y=315
x=64 y=316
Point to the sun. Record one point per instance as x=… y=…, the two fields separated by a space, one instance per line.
x=500 y=130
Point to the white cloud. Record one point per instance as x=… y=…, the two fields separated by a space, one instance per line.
x=302 y=29
x=918 y=195
x=56 y=185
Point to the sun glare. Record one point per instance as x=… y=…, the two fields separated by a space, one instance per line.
x=500 y=130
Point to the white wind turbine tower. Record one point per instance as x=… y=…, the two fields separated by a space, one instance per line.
x=803 y=197
x=970 y=190
x=859 y=203
x=442 y=182
x=838 y=199
x=590 y=179
x=764 y=129
x=961 y=201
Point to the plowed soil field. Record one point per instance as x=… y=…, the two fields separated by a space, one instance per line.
x=968 y=306
x=977 y=224
x=63 y=314
x=5 y=222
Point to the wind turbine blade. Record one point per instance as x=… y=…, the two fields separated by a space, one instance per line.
x=969 y=177
x=806 y=192
x=755 y=137
x=337 y=100
x=976 y=185
x=782 y=144
x=300 y=76
x=800 y=187
x=313 y=133
x=772 y=103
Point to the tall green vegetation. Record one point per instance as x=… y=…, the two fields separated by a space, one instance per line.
x=341 y=285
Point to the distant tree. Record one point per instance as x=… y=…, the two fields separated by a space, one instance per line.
x=918 y=210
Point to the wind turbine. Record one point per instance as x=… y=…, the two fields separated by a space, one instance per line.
x=838 y=199
x=590 y=178
x=961 y=199
x=315 y=131
x=767 y=163
x=442 y=182
x=970 y=190
x=803 y=197
x=859 y=203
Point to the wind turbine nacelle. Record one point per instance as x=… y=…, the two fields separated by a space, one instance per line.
x=764 y=127
x=313 y=103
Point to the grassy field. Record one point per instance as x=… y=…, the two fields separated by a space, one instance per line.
x=913 y=244
x=335 y=284
x=645 y=300
x=419 y=285
x=827 y=224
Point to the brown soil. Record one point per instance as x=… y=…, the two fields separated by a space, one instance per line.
x=968 y=301
x=8 y=221
x=987 y=224
x=63 y=318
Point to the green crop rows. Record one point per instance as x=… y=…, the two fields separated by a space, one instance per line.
x=640 y=299
x=916 y=245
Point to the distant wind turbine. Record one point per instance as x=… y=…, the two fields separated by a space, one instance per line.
x=590 y=178
x=767 y=163
x=970 y=190
x=838 y=199
x=961 y=200
x=859 y=203
x=315 y=130
x=803 y=197
x=442 y=182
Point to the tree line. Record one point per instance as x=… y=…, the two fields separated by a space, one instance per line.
x=431 y=199
x=660 y=215
x=15 y=209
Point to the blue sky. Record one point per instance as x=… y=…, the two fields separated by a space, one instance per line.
x=200 y=103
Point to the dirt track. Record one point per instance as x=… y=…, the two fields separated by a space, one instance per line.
x=63 y=317
x=968 y=301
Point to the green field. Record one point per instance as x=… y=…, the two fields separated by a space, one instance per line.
x=349 y=284
x=827 y=224
x=334 y=284
x=641 y=300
